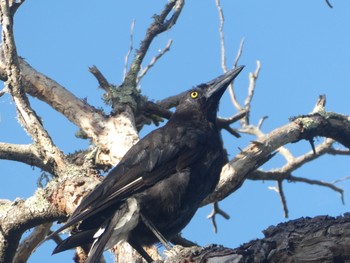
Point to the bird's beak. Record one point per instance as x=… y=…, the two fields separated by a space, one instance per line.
x=217 y=86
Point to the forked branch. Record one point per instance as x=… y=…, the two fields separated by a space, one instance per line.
x=27 y=117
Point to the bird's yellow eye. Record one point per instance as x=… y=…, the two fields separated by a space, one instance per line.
x=194 y=94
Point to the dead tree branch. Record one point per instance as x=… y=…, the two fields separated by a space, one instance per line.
x=93 y=122
x=102 y=81
x=29 y=244
x=318 y=239
x=251 y=89
x=217 y=211
x=223 y=54
x=62 y=194
x=24 y=153
x=224 y=123
x=285 y=172
x=329 y=4
x=59 y=98
x=131 y=43
x=54 y=202
x=283 y=198
x=329 y=125
x=27 y=117
x=222 y=36
x=159 y=25
x=154 y=60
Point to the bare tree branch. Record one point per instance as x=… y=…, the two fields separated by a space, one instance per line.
x=224 y=123
x=59 y=98
x=276 y=176
x=296 y=163
x=222 y=36
x=3 y=91
x=102 y=81
x=283 y=198
x=28 y=118
x=252 y=84
x=329 y=4
x=19 y=216
x=154 y=60
x=90 y=120
x=25 y=153
x=318 y=239
x=217 y=211
x=333 y=151
x=234 y=173
x=223 y=54
x=320 y=183
x=27 y=246
x=261 y=121
x=62 y=194
x=159 y=25
x=54 y=202
x=239 y=53
x=341 y=179
x=131 y=43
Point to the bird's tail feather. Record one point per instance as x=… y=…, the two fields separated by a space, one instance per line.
x=100 y=242
x=78 y=239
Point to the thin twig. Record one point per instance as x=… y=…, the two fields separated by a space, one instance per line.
x=341 y=180
x=154 y=60
x=222 y=37
x=3 y=91
x=131 y=43
x=224 y=123
x=251 y=89
x=297 y=162
x=320 y=183
x=231 y=87
x=159 y=25
x=283 y=198
x=333 y=151
x=56 y=238
x=277 y=176
x=217 y=211
x=239 y=53
x=223 y=54
x=329 y=4
x=261 y=121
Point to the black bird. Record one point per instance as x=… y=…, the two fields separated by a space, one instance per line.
x=155 y=190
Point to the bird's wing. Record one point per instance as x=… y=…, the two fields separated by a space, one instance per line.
x=153 y=158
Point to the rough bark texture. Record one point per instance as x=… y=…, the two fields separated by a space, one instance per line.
x=319 y=239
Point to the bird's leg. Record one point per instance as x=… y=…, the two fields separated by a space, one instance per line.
x=139 y=249
x=155 y=231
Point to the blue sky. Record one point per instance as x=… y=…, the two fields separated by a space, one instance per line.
x=302 y=45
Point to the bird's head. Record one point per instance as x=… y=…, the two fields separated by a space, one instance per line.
x=204 y=99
